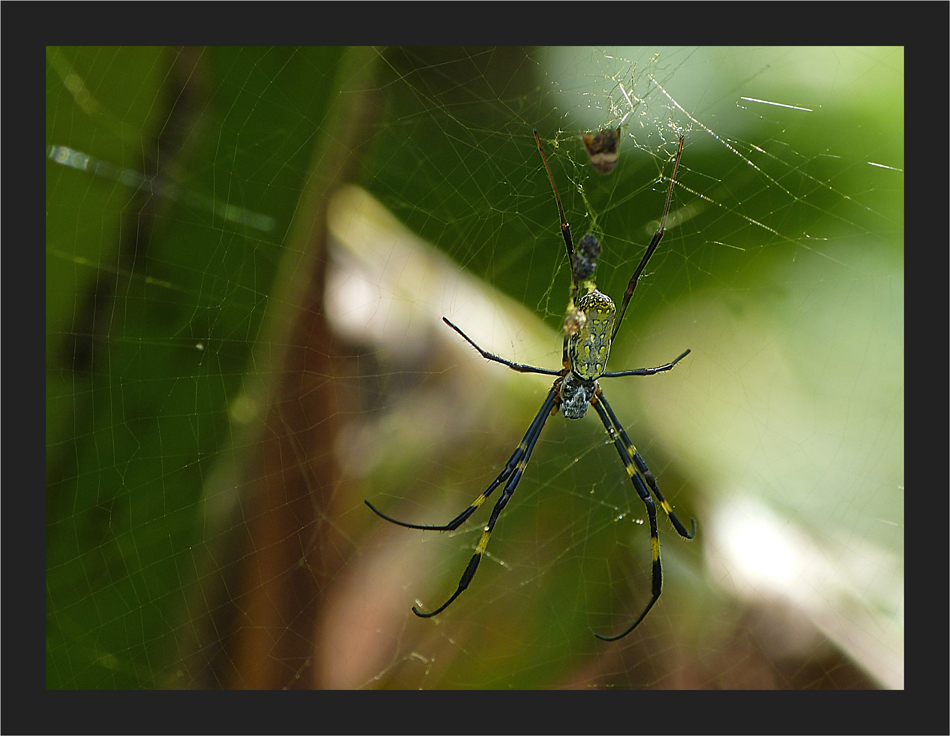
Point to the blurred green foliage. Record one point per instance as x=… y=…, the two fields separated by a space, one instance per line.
x=152 y=310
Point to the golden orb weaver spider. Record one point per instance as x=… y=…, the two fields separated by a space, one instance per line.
x=590 y=328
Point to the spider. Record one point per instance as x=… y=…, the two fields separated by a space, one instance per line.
x=590 y=329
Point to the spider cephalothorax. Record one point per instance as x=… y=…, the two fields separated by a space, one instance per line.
x=575 y=394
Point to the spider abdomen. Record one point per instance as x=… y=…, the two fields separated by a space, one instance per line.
x=589 y=348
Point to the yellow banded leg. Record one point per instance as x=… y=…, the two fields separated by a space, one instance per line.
x=644 y=494
x=645 y=471
x=516 y=457
x=513 y=472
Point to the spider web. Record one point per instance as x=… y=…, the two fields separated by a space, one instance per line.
x=249 y=254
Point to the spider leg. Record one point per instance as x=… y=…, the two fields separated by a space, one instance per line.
x=651 y=513
x=513 y=472
x=533 y=429
x=565 y=228
x=646 y=371
x=622 y=443
x=520 y=367
x=582 y=261
x=645 y=472
x=654 y=242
